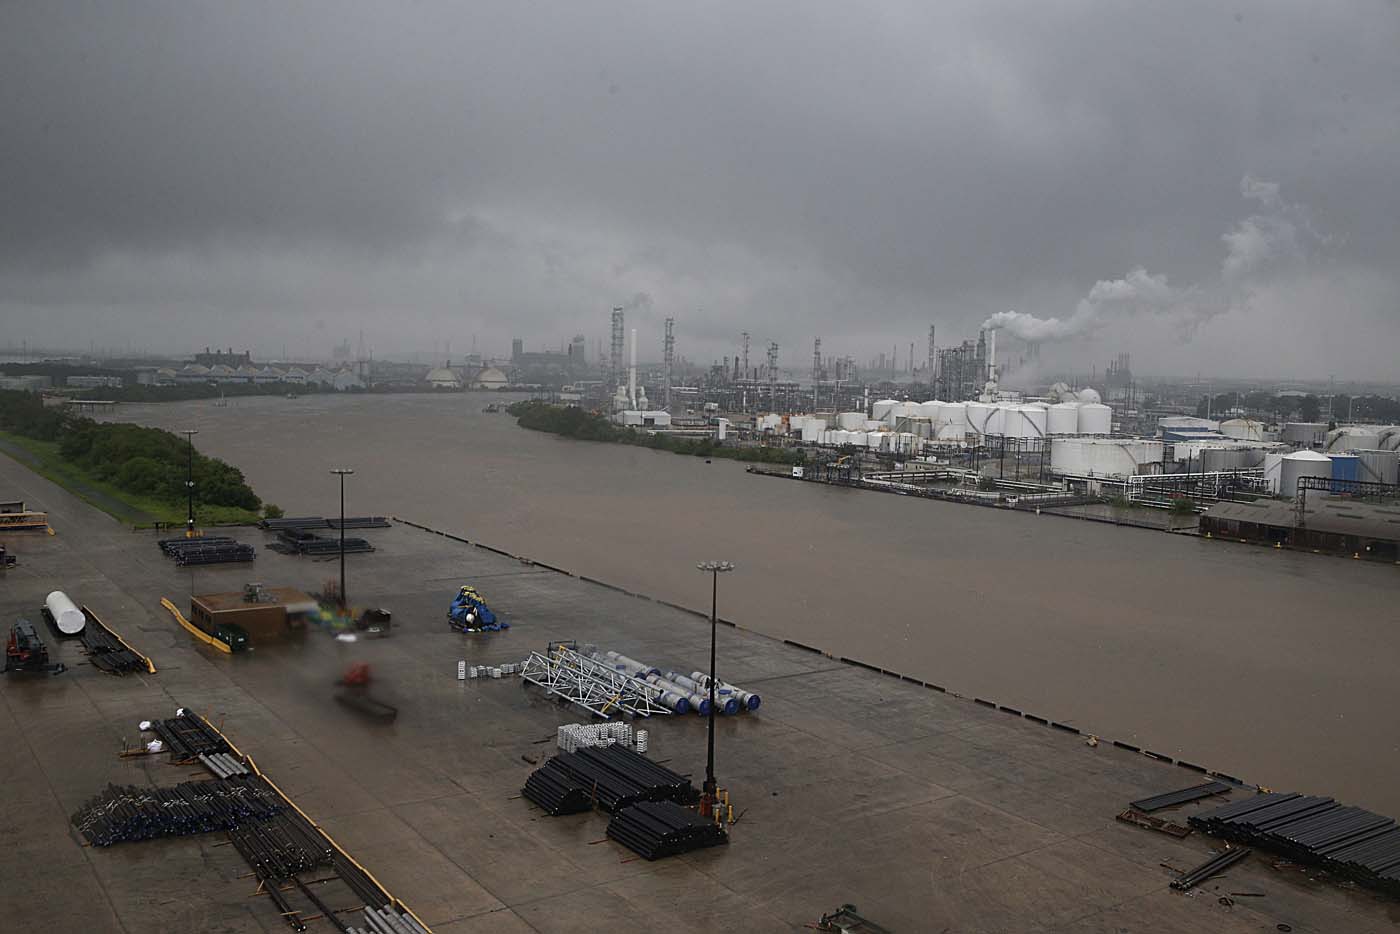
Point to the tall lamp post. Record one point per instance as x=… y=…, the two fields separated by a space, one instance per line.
x=189 y=480
x=342 y=472
x=714 y=569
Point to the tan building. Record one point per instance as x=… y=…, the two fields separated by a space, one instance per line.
x=264 y=613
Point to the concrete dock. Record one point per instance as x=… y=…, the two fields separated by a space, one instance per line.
x=927 y=811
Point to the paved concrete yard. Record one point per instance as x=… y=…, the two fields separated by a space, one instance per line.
x=928 y=812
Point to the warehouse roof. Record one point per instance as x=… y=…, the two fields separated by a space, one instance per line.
x=1333 y=515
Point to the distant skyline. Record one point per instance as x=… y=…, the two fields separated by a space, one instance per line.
x=1208 y=187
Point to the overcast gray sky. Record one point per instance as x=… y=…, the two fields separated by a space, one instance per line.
x=259 y=174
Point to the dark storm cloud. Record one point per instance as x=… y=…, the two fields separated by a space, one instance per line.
x=202 y=172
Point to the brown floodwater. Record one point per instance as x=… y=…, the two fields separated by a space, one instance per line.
x=1274 y=666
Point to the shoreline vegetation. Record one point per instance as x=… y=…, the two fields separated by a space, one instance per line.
x=571 y=422
x=135 y=474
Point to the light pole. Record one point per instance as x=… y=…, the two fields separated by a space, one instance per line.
x=342 y=472
x=189 y=480
x=714 y=569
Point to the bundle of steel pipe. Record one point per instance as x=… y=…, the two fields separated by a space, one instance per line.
x=1349 y=841
x=125 y=814
x=106 y=652
x=665 y=692
x=187 y=736
x=556 y=790
x=654 y=829
x=388 y=921
x=613 y=776
x=211 y=550
x=747 y=699
x=223 y=765
x=281 y=846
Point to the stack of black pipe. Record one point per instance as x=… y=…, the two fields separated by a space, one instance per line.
x=613 y=775
x=300 y=541
x=556 y=791
x=360 y=522
x=1350 y=841
x=212 y=549
x=187 y=736
x=293 y=522
x=107 y=653
x=281 y=846
x=655 y=829
x=127 y=813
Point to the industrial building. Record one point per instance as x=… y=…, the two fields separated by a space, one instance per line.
x=263 y=613
x=1336 y=525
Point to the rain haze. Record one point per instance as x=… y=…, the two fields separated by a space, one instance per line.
x=1209 y=186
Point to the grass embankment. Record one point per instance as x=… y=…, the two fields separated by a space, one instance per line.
x=135 y=474
x=575 y=423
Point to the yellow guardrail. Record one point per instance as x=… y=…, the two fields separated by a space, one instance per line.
x=150 y=666
x=194 y=630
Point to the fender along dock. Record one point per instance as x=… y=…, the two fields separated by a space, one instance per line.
x=851 y=785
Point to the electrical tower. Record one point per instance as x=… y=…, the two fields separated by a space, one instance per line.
x=816 y=359
x=745 y=336
x=668 y=354
x=615 y=361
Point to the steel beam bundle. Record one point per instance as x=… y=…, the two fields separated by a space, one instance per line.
x=187 y=552
x=293 y=522
x=187 y=736
x=302 y=542
x=223 y=765
x=1216 y=864
x=613 y=776
x=281 y=846
x=388 y=921
x=597 y=688
x=125 y=814
x=107 y=653
x=1173 y=798
x=1350 y=841
x=655 y=829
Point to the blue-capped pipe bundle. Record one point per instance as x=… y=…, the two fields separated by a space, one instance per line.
x=747 y=699
x=725 y=700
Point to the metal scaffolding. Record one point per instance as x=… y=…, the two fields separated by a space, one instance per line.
x=597 y=688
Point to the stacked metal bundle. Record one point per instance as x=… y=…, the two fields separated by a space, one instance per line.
x=388 y=921
x=107 y=653
x=655 y=829
x=1347 y=840
x=615 y=777
x=281 y=846
x=556 y=791
x=125 y=814
x=293 y=522
x=187 y=736
x=571 y=737
x=359 y=522
x=301 y=542
x=209 y=550
x=223 y=765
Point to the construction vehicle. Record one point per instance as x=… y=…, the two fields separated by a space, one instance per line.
x=354 y=693
x=25 y=651
x=469 y=613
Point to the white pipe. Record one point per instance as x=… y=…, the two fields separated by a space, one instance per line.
x=992 y=356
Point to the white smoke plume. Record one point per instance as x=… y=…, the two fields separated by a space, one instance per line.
x=1279 y=236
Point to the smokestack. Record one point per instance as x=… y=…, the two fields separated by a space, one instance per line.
x=632 y=373
x=992 y=355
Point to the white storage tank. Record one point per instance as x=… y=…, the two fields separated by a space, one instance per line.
x=858 y=438
x=1243 y=429
x=1354 y=438
x=1063 y=418
x=1301 y=464
x=881 y=410
x=979 y=417
x=1104 y=457
x=874 y=440
x=812 y=429
x=64 y=613
x=851 y=420
x=1028 y=422
x=1095 y=418
x=1378 y=466
x=955 y=417
x=1089 y=394
x=1273 y=471
x=1305 y=434
x=932 y=410
x=1390 y=439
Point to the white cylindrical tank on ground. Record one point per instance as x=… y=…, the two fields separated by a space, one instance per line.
x=932 y=410
x=1063 y=419
x=812 y=429
x=1103 y=457
x=873 y=440
x=851 y=420
x=1390 y=439
x=1378 y=466
x=1244 y=429
x=858 y=438
x=1354 y=438
x=879 y=410
x=906 y=410
x=996 y=421
x=1273 y=471
x=1088 y=394
x=955 y=417
x=1028 y=422
x=1095 y=418
x=1301 y=464
x=1305 y=434
x=979 y=417
x=66 y=616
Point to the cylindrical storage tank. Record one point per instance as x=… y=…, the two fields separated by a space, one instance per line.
x=1301 y=464
x=881 y=410
x=874 y=440
x=1390 y=439
x=906 y=410
x=996 y=420
x=1031 y=422
x=923 y=427
x=1305 y=434
x=858 y=438
x=873 y=425
x=1095 y=418
x=1273 y=471
x=1378 y=466
x=1063 y=418
x=979 y=417
x=1211 y=459
x=933 y=409
x=1243 y=429
x=955 y=416
x=1354 y=438
x=904 y=443
x=1089 y=394
x=1103 y=457
x=64 y=613
x=1346 y=467
x=851 y=420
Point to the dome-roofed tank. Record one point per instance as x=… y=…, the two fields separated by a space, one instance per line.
x=1245 y=429
x=1301 y=464
x=881 y=410
x=1089 y=394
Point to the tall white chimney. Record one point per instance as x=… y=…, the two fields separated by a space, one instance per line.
x=632 y=373
x=992 y=355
